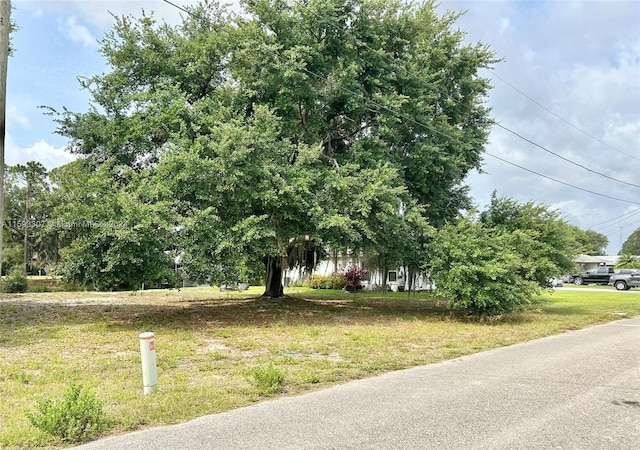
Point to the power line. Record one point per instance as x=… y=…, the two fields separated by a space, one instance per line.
x=181 y=8
x=562 y=157
x=623 y=217
x=612 y=226
x=613 y=229
x=562 y=182
x=558 y=116
x=430 y=128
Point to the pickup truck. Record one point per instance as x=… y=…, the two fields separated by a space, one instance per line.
x=625 y=280
x=599 y=275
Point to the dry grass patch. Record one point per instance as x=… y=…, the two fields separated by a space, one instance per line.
x=218 y=351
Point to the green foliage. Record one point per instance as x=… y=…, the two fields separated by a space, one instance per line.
x=77 y=417
x=632 y=245
x=589 y=242
x=497 y=264
x=478 y=269
x=12 y=256
x=541 y=238
x=116 y=240
x=628 y=262
x=16 y=281
x=286 y=120
x=333 y=281
x=25 y=212
x=270 y=379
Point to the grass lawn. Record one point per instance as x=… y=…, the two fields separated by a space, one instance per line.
x=213 y=348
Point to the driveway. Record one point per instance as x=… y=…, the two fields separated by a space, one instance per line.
x=577 y=390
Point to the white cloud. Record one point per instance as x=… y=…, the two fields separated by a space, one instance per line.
x=99 y=13
x=505 y=26
x=41 y=151
x=77 y=32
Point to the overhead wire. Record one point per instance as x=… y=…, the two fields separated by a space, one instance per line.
x=562 y=157
x=622 y=216
x=561 y=182
x=614 y=225
x=558 y=116
x=181 y=8
x=423 y=125
x=612 y=230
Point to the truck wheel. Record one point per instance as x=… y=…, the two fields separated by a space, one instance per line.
x=578 y=281
x=621 y=285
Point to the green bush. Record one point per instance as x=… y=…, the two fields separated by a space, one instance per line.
x=77 y=417
x=478 y=268
x=16 y=281
x=270 y=379
x=300 y=283
x=333 y=281
x=69 y=287
x=38 y=289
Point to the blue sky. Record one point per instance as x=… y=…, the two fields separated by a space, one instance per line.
x=579 y=59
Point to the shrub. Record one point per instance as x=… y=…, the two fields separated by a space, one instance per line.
x=300 y=283
x=353 y=277
x=16 y=281
x=69 y=287
x=333 y=281
x=476 y=269
x=37 y=289
x=270 y=379
x=77 y=417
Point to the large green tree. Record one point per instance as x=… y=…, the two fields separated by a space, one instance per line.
x=25 y=186
x=589 y=242
x=632 y=245
x=336 y=119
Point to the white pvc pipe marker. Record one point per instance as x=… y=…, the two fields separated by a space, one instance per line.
x=149 y=370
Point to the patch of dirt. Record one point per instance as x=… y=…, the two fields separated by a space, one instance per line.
x=211 y=345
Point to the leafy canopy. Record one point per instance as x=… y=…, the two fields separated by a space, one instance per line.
x=350 y=121
x=632 y=245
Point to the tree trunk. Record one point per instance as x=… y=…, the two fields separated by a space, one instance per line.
x=385 y=274
x=411 y=274
x=273 y=279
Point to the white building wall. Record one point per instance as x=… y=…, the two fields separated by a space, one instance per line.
x=395 y=278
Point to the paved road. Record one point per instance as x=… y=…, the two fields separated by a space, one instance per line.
x=578 y=390
x=567 y=287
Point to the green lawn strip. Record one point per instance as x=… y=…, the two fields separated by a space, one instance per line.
x=222 y=350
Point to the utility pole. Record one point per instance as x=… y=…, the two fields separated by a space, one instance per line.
x=5 y=26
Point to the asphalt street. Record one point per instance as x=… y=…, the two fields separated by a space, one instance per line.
x=567 y=287
x=577 y=390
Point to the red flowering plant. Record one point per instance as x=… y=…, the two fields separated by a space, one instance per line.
x=353 y=276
